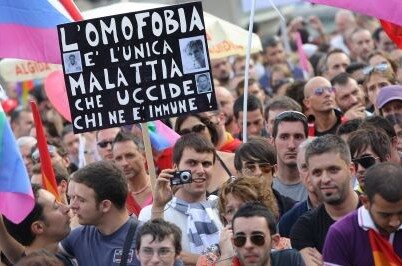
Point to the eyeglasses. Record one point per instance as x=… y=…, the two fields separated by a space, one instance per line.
x=320 y=90
x=383 y=67
x=36 y=156
x=196 y=129
x=365 y=161
x=162 y=252
x=290 y=116
x=251 y=168
x=240 y=240
x=103 y=144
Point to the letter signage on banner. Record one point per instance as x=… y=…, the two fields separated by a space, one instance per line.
x=137 y=67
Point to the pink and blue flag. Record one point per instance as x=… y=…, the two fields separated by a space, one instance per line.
x=162 y=136
x=389 y=10
x=28 y=29
x=16 y=197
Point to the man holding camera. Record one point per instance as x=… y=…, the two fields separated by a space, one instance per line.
x=181 y=199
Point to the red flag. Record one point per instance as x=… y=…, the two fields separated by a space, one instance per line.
x=393 y=31
x=48 y=177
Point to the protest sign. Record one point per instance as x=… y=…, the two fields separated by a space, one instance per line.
x=137 y=67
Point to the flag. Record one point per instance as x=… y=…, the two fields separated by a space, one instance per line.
x=303 y=62
x=389 y=10
x=16 y=196
x=28 y=29
x=383 y=251
x=48 y=177
x=162 y=136
x=393 y=31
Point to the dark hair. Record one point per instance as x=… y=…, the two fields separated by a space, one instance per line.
x=67 y=129
x=334 y=51
x=210 y=126
x=192 y=141
x=376 y=33
x=256 y=209
x=384 y=179
x=373 y=138
x=256 y=149
x=40 y=258
x=341 y=79
x=349 y=126
x=160 y=229
x=281 y=103
x=123 y=136
x=326 y=144
x=271 y=41
x=60 y=172
x=295 y=91
x=355 y=66
x=379 y=122
x=290 y=116
x=106 y=179
x=22 y=232
x=194 y=44
x=253 y=103
x=15 y=115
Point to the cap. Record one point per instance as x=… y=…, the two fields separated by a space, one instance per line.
x=387 y=94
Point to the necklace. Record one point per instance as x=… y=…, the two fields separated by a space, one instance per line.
x=141 y=190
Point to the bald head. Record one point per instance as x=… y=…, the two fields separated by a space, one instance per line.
x=314 y=83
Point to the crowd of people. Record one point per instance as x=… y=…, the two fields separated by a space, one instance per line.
x=318 y=181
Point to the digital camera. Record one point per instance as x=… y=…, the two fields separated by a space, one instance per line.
x=181 y=177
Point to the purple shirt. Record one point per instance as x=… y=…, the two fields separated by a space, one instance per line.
x=348 y=244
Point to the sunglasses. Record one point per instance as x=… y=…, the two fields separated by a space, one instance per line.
x=257 y=239
x=378 y=68
x=320 y=90
x=290 y=116
x=196 y=129
x=36 y=156
x=105 y=143
x=251 y=168
x=365 y=161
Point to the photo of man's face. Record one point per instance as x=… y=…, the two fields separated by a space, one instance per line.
x=197 y=55
x=72 y=59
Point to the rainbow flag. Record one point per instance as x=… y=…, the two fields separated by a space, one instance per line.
x=48 y=177
x=16 y=197
x=28 y=29
x=383 y=252
x=162 y=136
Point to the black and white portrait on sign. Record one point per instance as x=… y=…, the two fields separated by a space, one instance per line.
x=203 y=82
x=193 y=54
x=72 y=62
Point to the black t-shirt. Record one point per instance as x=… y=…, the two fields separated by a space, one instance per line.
x=286 y=257
x=284 y=203
x=334 y=128
x=310 y=229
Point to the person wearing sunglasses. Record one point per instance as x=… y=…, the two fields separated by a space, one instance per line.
x=104 y=142
x=289 y=130
x=351 y=241
x=253 y=244
x=257 y=158
x=319 y=98
x=368 y=147
x=331 y=170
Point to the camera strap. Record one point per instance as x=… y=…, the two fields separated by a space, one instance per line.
x=128 y=241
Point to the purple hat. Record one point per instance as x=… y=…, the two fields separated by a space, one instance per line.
x=387 y=94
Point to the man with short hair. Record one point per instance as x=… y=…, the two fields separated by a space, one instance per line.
x=104 y=141
x=336 y=62
x=331 y=171
x=225 y=105
x=361 y=44
x=222 y=71
x=255 y=117
x=188 y=207
x=319 y=98
x=128 y=156
x=289 y=130
x=368 y=146
x=349 y=97
x=26 y=145
x=276 y=106
x=21 y=121
x=46 y=225
x=98 y=196
x=160 y=237
x=254 y=235
x=382 y=42
x=372 y=234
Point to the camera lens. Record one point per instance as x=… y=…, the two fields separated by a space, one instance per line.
x=185 y=176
